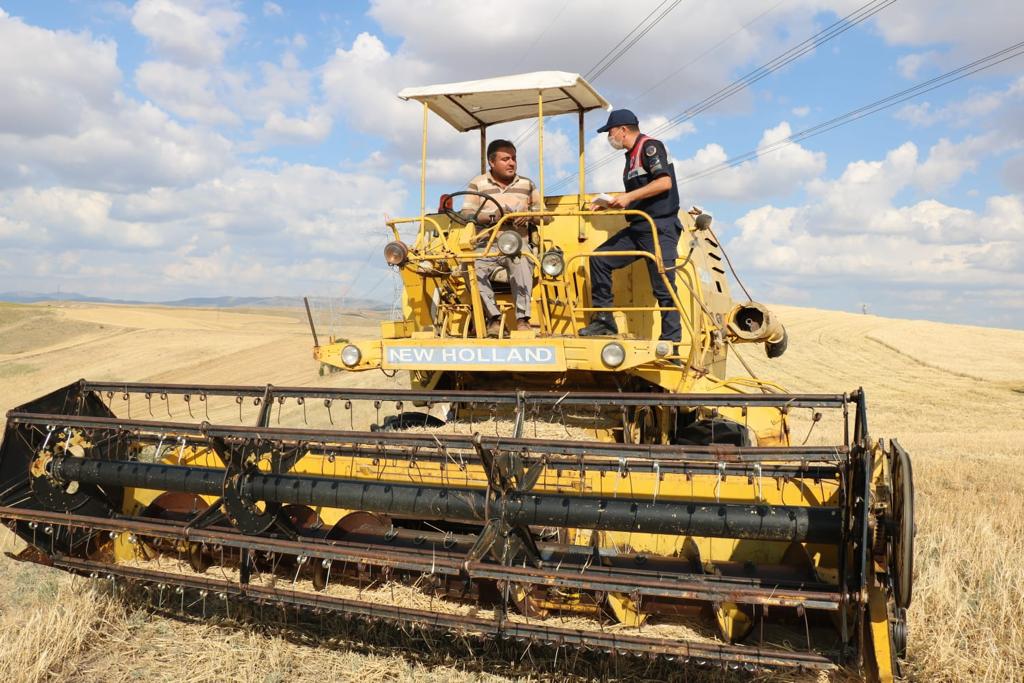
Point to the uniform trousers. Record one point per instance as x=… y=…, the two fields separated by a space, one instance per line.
x=637 y=237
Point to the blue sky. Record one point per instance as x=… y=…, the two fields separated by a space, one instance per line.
x=171 y=148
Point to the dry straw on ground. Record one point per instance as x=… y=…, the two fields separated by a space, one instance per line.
x=953 y=395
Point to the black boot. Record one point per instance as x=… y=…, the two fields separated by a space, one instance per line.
x=601 y=325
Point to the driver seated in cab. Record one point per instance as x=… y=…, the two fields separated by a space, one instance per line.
x=513 y=193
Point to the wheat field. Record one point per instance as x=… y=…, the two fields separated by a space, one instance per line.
x=953 y=396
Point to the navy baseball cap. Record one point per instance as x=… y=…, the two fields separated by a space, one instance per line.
x=619 y=117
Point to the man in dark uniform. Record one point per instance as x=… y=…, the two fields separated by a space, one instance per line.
x=650 y=182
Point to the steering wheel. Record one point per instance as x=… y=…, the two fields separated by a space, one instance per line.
x=457 y=217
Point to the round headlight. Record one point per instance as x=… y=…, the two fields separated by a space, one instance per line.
x=613 y=354
x=662 y=349
x=351 y=355
x=703 y=221
x=395 y=253
x=509 y=242
x=553 y=263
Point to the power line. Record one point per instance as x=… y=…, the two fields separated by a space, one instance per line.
x=861 y=14
x=623 y=46
x=708 y=51
x=369 y=257
x=945 y=79
x=525 y=53
x=598 y=69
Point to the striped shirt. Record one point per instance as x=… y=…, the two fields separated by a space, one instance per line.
x=519 y=195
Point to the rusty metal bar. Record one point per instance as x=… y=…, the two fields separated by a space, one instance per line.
x=563 y=569
x=554 y=635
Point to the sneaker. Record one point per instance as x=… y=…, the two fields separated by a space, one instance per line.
x=601 y=325
x=494 y=327
x=523 y=325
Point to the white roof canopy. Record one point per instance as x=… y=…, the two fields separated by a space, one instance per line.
x=472 y=104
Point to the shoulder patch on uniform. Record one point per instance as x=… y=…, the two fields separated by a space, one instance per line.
x=650 y=150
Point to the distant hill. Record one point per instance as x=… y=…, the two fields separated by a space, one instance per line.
x=192 y=302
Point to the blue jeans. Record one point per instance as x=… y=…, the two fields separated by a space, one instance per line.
x=637 y=237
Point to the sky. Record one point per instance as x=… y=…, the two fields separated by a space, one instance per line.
x=165 y=149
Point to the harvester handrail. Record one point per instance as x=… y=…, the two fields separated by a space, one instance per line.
x=610 y=398
x=367 y=440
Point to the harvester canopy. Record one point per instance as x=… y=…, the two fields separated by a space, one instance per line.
x=474 y=104
x=537 y=485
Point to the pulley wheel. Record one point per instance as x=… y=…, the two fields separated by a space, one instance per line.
x=180 y=507
x=254 y=517
x=354 y=523
x=901 y=561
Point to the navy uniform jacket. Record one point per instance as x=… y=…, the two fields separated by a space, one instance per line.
x=646 y=161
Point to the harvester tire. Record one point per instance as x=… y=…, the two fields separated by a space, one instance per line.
x=716 y=430
x=902 y=559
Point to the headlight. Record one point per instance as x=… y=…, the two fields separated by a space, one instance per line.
x=553 y=263
x=703 y=221
x=351 y=355
x=613 y=354
x=395 y=253
x=662 y=349
x=509 y=242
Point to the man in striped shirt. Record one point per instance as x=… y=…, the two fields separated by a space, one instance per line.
x=514 y=193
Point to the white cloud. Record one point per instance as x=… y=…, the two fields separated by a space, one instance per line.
x=190 y=32
x=361 y=83
x=801 y=112
x=777 y=172
x=272 y=9
x=283 y=86
x=71 y=219
x=65 y=120
x=187 y=92
x=968 y=29
x=579 y=36
x=314 y=128
x=977 y=106
x=268 y=231
x=51 y=77
x=852 y=229
x=910 y=65
x=947 y=162
x=136 y=147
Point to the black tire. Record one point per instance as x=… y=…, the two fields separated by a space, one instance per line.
x=716 y=430
x=396 y=423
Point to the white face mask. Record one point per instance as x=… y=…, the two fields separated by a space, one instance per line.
x=616 y=144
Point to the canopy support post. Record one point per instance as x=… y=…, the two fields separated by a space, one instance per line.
x=483 y=149
x=423 y=167
x=581 y=236
x=540 y=140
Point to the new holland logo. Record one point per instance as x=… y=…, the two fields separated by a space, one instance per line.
x=471 y=355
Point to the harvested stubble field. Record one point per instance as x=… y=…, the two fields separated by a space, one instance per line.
x=953 y=395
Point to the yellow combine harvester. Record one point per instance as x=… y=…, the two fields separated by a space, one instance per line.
x=536 y=476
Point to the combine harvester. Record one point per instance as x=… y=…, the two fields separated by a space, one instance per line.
x=671 y=500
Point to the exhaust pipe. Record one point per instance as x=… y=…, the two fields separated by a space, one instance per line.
x=753 y=322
